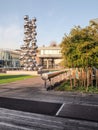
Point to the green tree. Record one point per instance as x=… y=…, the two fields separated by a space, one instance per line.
x=80 y=47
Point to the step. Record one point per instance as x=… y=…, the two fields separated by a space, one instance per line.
x=79 y=111
x=38 y=107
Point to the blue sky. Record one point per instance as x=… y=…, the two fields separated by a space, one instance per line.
x=54 y=19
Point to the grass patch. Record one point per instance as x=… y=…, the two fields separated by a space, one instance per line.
x=66 y=87
x=12 y=78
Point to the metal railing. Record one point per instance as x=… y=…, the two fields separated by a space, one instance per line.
x=52 y=78
x=77 y=77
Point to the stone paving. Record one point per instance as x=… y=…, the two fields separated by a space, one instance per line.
x=33 y=90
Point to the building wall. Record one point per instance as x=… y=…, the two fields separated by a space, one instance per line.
x=50 y=51
x=9 y=58
x=50 y=57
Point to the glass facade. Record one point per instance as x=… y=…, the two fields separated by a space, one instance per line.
x=9 y=59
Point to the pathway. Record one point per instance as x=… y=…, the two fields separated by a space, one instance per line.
x=33 y=91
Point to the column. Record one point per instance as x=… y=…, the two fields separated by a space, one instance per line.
x=47 y=63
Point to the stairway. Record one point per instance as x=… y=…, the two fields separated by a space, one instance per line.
x=18 y=120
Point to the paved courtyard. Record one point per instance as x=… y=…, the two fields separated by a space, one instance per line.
x=78 y=111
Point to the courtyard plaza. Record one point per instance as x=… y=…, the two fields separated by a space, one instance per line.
x=26 y=105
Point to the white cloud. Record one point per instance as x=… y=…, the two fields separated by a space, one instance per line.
x=11 y=36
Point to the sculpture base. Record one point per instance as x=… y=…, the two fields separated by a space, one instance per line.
x=22 y=72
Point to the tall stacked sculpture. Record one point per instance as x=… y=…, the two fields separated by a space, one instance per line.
x=29 y=49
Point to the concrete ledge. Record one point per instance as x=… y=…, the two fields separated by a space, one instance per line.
x=39 y=107
x=80 y=112
x=21 y=72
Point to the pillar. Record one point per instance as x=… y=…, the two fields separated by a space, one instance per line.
x=47 y=63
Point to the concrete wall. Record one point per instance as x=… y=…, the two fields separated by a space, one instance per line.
x=20 y=72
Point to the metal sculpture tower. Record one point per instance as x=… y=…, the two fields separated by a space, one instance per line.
x=29 y=49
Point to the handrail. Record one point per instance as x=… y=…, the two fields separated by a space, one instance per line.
x=51 y=75
x=83 y=77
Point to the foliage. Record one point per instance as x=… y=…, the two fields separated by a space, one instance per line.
x=66 y=87
x=80 y=47
x=12 y=78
